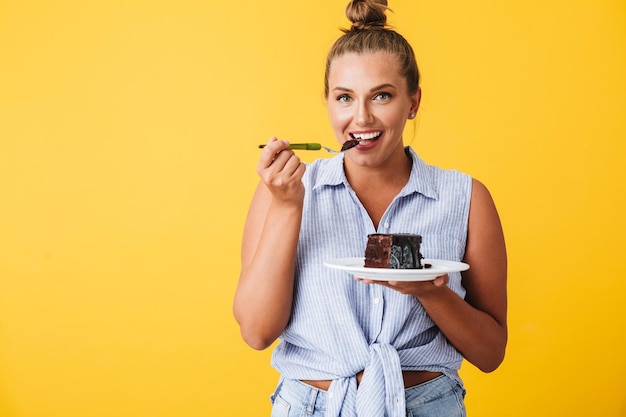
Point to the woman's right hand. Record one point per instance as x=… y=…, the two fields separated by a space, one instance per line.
x=281 y=171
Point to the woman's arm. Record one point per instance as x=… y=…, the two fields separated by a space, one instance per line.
x=476 y=326
x=262 y=304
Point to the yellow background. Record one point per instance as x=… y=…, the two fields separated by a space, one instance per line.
x=128 y=146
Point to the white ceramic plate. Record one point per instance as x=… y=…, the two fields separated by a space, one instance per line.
x=438 y=268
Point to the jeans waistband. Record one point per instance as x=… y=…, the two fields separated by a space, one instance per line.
x=298 y=392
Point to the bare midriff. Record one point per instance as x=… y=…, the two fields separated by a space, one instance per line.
x=411 y=379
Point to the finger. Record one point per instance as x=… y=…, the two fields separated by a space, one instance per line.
x=291 y=162
x=280 y=164
x=284 y=169
x=299 y=172
x=270 y=152
x=441 y=281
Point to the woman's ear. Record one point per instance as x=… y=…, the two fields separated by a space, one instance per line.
x=415 y=100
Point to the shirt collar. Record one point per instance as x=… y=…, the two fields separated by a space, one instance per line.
x=331 y=172
x=420 y=181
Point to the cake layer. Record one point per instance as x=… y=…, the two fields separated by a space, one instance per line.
x=396 y=251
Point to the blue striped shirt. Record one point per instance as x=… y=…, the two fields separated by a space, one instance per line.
x=340 y=327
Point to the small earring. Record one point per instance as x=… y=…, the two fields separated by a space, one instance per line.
x=411 y=115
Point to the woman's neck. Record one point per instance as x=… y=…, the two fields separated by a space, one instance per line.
x=376 y=187
x=393 y=173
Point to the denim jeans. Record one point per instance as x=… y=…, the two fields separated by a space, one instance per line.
x=439 y=397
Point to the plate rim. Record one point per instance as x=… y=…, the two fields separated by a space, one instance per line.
x=388 y=274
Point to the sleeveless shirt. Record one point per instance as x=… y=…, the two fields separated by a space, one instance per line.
x=338 y=326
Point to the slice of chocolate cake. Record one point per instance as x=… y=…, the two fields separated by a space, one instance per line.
x=396 y=251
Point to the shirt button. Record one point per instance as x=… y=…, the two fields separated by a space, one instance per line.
x=376 y=300
x=386 y=225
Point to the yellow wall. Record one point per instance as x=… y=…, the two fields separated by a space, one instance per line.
x=128 y=133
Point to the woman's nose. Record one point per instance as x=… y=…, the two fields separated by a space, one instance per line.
x=364 y=115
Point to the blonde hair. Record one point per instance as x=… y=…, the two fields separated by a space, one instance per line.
x=369 y=34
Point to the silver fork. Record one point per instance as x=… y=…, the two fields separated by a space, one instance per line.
x=327 y=149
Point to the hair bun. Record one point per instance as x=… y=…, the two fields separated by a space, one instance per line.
x=367 y=14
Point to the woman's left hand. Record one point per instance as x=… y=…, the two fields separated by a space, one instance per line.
x=415 y=288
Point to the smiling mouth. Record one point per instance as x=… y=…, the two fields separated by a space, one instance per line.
x=365 y=136
x=358 y=138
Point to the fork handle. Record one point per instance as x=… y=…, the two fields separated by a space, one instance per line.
x=302 y=146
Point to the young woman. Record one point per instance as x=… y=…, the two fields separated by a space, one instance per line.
x=355 y=347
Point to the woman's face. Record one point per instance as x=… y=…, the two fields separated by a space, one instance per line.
x=368 y=100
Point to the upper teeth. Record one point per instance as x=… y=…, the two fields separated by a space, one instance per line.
x=366 y=136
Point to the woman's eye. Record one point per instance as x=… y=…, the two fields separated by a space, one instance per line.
x=382 y=96
x=344 y=98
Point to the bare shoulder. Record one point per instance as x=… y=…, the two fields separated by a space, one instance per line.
x=481 y=197
x=483 y=216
